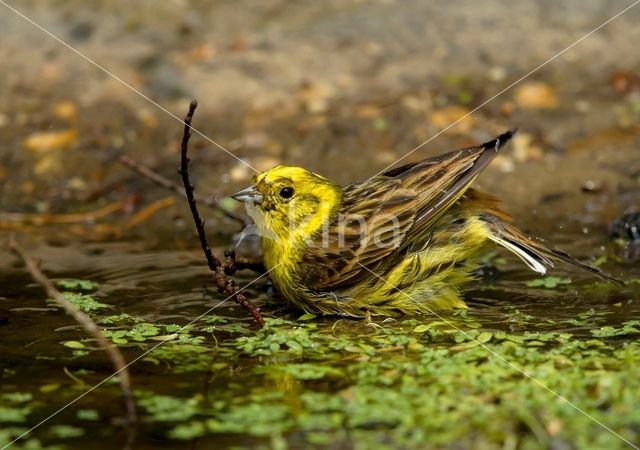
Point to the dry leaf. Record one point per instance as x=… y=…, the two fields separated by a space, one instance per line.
x=503 y=163
x=445 y=117
x=45 y=141
x=414 y=104
x=524 y=149
x=65 y=110
x=624 y=81
x=536 y=95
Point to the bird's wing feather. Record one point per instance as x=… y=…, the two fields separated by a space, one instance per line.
x=531 y=251
x=535 y=254
x=364 y=233
x=441 y=181
x=397 y=206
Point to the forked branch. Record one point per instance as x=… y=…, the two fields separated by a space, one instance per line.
x=220 y=270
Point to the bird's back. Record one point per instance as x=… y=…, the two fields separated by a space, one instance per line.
x=382 y=217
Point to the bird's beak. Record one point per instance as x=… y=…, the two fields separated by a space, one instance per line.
x=250 y=194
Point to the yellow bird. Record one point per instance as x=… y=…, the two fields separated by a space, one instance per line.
x=406 y=241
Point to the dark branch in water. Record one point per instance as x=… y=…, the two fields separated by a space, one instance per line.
x=89 y=326
x=154 y=176
x=233 y=262
x=220 y=270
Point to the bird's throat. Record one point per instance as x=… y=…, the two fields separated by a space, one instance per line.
x=284 y=242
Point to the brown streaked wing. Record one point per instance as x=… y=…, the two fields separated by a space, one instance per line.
x=442 y=180
x=371 y=230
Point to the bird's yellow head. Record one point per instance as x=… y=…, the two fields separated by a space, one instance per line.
x=292 y=202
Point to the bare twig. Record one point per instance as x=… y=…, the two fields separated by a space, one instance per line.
x=154 y=176
x=89 y=326
x=219 y=269
x=47 y=219
x=232 y=262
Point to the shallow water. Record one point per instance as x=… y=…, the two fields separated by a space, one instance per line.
x=252 y=397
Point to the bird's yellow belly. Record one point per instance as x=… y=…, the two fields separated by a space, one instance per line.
x=281 y=263
x=424 y=280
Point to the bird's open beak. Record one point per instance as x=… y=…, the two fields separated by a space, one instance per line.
x=249 y=194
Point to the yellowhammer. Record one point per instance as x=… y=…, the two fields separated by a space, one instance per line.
x=402 y=242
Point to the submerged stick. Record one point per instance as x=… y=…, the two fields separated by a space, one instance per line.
x=118 y=361
x=220 y=270
x=160 y=180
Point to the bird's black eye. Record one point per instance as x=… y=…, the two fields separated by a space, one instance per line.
x=286 y=192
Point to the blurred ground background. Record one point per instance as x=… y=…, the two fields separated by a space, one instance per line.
x=344 y=88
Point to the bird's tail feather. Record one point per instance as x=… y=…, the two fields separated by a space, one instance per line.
x=532 y=259
x=534 y=254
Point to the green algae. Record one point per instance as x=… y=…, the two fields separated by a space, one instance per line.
x=448 y=381
x=549 y=282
